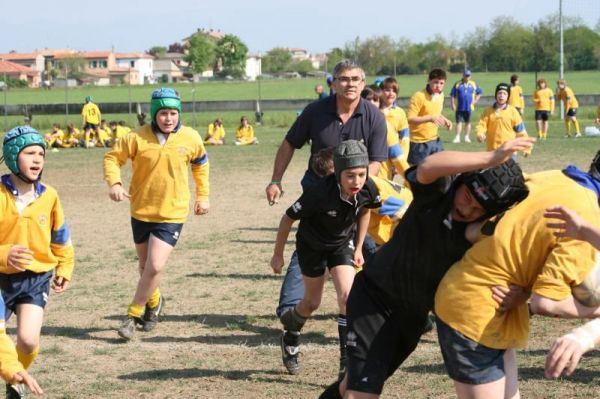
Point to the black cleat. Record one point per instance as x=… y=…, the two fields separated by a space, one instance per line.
x=15 y=391
x=290 y=356
x=150 y=317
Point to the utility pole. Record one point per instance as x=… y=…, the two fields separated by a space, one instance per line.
x=5 y=104
x=561 y=74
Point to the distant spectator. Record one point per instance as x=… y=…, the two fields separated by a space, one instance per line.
x=215 y=134
x=320 y=92
x=515 y=99
x=90 y=114
x=566 y=95
x=245 y=133
x=464 y=94
x=55 y=137
x=329 y=81
x=543 y=100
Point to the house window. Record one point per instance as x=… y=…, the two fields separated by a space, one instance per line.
x=132 y=64
x=104 y=64
x=93 y=64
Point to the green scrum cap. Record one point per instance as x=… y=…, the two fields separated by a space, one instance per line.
x=15 y=141
x=164 y=98
x=349 y=154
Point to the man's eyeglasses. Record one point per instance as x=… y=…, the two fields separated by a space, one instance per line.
x=347 y=79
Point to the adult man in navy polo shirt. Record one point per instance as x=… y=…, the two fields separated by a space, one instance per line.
x=325 y=123
x=464 y=95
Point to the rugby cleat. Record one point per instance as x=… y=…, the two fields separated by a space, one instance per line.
x=15 y=391
x=150 y=317
x=128 y=326
x=290 y=356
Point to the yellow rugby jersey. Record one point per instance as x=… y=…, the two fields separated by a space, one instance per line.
x=216 y=133
x=245 y=135
x=41 y=228
x=104 y=134
x=516 y=98
x=159 y=184
x=522 y=251
x=9 y=360
x=396 y=156
x=422 y=103
x=499 y=125
x=74 y=134
x=395 y=199
x=118 y=132
x=91 y=113
x=543 y=100
x=567 y=97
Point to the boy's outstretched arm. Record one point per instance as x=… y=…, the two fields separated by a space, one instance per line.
x=446 y=163
x=285 y=225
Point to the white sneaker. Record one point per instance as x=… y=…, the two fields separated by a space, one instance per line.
x=467 y=139
x=456 y=140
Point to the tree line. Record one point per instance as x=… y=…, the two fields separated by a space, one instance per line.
x=506 y=45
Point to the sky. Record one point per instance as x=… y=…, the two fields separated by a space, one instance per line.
x=317 y=26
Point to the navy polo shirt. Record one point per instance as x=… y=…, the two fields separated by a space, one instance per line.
x=321 y=124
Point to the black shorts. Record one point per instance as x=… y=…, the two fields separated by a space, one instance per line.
x=90 y=126
x=542 y=115
x=468 y=361
x=463 y=116
x=313 y=263
x=572 y=112
x=379 y=339
x=167 y=232
x=26 y=287
x=419 y=151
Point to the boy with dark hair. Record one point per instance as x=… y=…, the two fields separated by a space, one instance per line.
x=515 y=99
x=329 y=214
x=425 y=117
x=565 y=94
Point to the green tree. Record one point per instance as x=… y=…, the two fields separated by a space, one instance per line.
x=508 y=46
x=201 y=53
x=157 y=51
x=334 y=56
x=302 y=67
x=582 y=48
x=231 y=54
x=73 y=65
x=277 y=60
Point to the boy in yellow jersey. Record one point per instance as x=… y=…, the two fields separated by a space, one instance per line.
x=90 y=114
x=245 y=133
x=215 y=133
x=104 y=134
x=567 y=350
x=425 y=117
x=117 y=131
x=500 y=122
x=35 y=244
x=72 y=137
x=393 y=113
x=566 y=95
x=55 y=137
x=159 y=195
x=543 y=101
x=396 y=162
x=478 y=340
x=516 y=99
x=598 y=115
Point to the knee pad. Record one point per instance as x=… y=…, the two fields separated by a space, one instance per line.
x=291 y=320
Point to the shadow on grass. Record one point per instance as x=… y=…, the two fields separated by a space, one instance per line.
x=257 y=333
x=269 y=242
x=581 y=375
x=81 y=333
x=234 y=375
x=273 y=229
x=238 y=276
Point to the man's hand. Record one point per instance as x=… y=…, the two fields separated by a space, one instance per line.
x=274 y=192
x=19 y=257
x=277 y=263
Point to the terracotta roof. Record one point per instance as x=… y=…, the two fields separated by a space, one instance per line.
x=137 y=55
x=11 y=67
x=18 y=56
x=95 y=54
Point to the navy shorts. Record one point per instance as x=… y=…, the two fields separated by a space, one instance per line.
x=313 y=262
x=90 y=126
x=463 y=116
x=419 y=151
x=542 y=115
x=467 y=361
x=572 y=112
x=26 y=287
x=167 y=232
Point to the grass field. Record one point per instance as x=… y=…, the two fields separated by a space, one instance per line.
x=582 y=82
x=219 y=338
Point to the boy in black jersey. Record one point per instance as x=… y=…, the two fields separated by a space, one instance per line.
x=329 y=214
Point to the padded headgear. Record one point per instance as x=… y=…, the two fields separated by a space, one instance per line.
x=15 y=141
x=349 y=154
x=88 y=99
x=595 y=167
x=164 y=98
x=502 y=86
x=498 y=188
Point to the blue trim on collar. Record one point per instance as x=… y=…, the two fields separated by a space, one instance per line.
x=39 y=187
x=583 y=178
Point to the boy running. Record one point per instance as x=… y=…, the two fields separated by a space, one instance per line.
x=35 y=244
x=160 y=154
